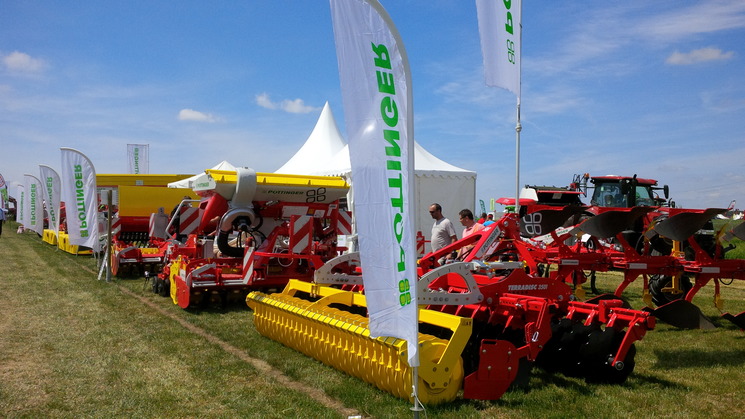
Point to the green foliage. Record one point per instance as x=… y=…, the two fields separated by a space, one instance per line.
x=72 y=346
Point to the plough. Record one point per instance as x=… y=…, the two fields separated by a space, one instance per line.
x=671 y=250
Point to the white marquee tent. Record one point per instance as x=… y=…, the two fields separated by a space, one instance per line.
x=188 y=183
x=325 y=153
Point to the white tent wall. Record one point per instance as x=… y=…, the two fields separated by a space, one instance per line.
x=453 y=193
x=325 y=153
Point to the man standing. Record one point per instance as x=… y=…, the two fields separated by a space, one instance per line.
x=443 y=232
x=466 y=220
x=471 y=226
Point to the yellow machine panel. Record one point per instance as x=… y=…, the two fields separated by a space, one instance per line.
x=138 y=201
x=137 y=180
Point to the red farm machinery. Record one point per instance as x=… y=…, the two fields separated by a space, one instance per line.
x=138 y=210
x=252 y=231
x=627 y=227
x=500 y=301
x=485 y=320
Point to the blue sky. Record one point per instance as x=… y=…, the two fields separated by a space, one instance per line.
x=652 y=88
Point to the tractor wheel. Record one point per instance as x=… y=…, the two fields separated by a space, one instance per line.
x=597 y=354
x=658 y=282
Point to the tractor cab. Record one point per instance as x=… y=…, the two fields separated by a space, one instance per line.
x=625 y=192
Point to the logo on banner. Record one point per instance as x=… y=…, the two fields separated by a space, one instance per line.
x=32 y=203
x=137 y=160
x=389 y=113
x=49 y=182
x=80 y=200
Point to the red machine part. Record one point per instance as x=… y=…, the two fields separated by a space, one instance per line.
x=522 y=319
x=301 y=237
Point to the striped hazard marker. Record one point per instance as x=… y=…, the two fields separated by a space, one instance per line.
x=344 y=223
x=248 y=264
x=301 y=234
x=189 y=220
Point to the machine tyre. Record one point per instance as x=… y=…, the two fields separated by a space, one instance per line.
x=165 y=288
x=658 y=282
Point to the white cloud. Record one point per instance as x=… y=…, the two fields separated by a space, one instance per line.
x=698 y=56
x=290 y=106
x=192 y=115
x=607 y=30
x=22 y=63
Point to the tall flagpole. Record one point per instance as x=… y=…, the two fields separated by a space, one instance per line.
x=518 y=126
x=501 y=47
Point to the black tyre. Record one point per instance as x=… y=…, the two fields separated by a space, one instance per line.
x=657 y=284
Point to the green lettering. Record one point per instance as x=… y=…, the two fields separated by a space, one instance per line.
x=389 y=111
x=383 y=59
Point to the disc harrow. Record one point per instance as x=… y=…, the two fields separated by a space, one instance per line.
x=483 y=324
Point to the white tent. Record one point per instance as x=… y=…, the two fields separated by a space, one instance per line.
x=326 y=153
x=188 y=183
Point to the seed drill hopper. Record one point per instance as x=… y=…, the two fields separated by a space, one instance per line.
x=138 y=203
x=483 y=323
x=254 y=231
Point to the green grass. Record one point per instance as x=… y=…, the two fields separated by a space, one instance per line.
x=72 y=346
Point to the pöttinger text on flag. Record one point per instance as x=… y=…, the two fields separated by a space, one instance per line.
x=376 y=90
x=78 y=178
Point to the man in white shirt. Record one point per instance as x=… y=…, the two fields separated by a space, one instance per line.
x=443 y=232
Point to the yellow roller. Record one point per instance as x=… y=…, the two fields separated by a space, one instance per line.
x=341 y=339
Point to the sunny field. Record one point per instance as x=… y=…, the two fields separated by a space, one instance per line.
x=72 y=346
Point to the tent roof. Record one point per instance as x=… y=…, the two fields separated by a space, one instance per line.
x=323 y=143
x=188 y=183
x=326 y=153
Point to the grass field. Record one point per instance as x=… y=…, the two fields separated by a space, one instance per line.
x=72 y=346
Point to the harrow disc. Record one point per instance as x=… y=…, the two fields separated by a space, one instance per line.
x=562 y=352
x=597 y=354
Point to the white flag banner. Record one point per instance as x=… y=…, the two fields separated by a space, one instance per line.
x=375 y=85
x=500 y=31
x=19 y=205
x=3 y=193
x=78 y=177
x=52 y=188
x=138 y=158
x=33 y=207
